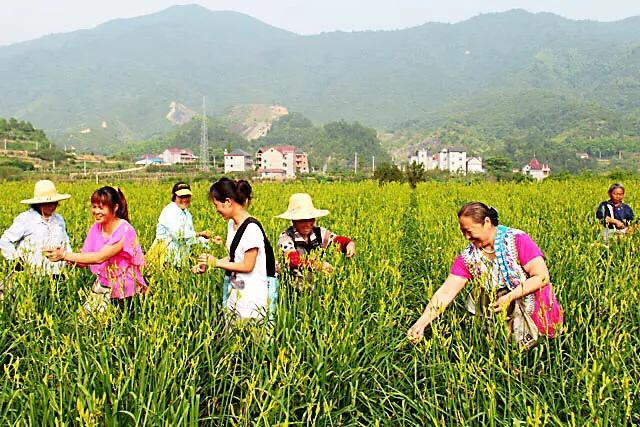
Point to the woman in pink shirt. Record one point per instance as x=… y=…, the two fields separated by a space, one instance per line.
x=111 y=249
x=506 y=263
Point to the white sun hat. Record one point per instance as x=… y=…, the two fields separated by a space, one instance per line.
x=45 y=192
x=301 y=207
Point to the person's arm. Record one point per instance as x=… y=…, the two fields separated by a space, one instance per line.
x=164 y=229
x=11 y=237
x=538 y=274
x=104 y=254
x=347 y=246
x=439 y=302
x=245 y=266
x=603 y=214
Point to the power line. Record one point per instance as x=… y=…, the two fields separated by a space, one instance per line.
x=204 y=140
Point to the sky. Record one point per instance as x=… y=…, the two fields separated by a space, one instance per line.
x=28 y=19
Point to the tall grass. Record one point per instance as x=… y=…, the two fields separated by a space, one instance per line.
x=338 y=354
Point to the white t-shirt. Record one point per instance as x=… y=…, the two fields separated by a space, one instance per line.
x=249 y=291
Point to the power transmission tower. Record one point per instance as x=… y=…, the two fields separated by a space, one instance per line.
x=204 y=140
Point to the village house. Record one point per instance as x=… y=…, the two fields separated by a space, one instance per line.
x=237 y=161
x=281 y=162
x=537 y=170
x=172 y=156
x=149 y=159
x=453 y=160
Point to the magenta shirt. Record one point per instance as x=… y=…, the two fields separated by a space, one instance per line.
x=527 y=250
x=122 y=271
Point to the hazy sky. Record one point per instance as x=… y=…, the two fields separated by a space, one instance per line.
x=27 y=19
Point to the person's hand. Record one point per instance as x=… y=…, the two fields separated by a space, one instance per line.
x=326 y=268
x=54 y=254
x=207 y=260
x=619 y=224
x=502 y=302
x=416 y=332
x=351 y=249
x=206 y=234
x=217 y=240
x=199 y=268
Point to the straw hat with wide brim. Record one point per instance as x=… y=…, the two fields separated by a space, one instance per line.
x=301 y=207
x=45 y=192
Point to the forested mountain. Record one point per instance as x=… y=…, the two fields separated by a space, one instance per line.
x=127 y=72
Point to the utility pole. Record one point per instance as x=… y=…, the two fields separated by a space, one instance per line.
x=373 y=162
x=85 y=167
x=355 y=165
x=204 y=140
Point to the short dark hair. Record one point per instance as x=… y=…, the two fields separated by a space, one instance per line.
x=478 y=211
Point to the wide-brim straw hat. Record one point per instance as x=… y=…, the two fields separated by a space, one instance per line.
x=301 y=207
x=45 y=192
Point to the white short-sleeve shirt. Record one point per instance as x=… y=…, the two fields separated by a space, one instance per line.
x=249 y=291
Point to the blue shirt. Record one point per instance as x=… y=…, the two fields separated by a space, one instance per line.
x=29 y=235
x=623 y=213
x=175 y=229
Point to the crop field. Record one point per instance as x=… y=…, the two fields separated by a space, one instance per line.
x=338 y=354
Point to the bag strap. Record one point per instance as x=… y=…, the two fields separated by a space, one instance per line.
x=271 y=259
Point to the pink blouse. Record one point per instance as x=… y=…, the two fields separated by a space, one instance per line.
x=121 y=272
x=527 y=250
x=547 y=313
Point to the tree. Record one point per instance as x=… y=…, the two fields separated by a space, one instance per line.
x=498 y=165
x=415 y=173
x=388 y=173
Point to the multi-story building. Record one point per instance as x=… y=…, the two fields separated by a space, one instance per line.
x=453 y=160
x=281 y=162
x=172 y=156
x=237 y=161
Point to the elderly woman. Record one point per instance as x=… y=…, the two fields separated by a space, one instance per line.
x=299 y=241
x=509 y=267
x=615 y=215
x=175 y=226
x=36 y=230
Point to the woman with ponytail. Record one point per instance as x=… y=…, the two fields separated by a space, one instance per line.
x=511 y=273
x=111 y=249
x=250 y=288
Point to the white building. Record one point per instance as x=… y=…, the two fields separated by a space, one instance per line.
x=172 y=156
x=474 y=165
x=237 y=161
x=281 y=162
x=453 y=160
x=536 y=169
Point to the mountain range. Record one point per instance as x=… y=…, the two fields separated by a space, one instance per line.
x=128 y=72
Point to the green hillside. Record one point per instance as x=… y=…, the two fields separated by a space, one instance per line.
x=129 y=71
x=332 y=145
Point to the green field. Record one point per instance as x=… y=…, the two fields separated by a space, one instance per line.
x=338 y=354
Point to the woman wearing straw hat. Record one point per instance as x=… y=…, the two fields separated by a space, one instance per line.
x=36 y=230
x=303 y=237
